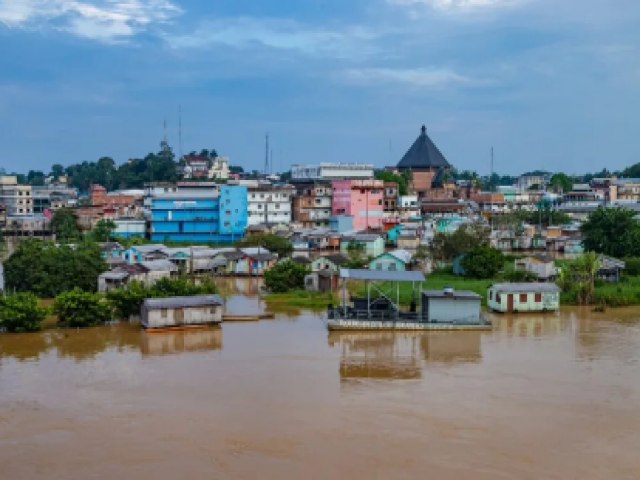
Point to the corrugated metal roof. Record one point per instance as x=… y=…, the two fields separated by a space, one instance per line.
x=423 y=154
x=465 y=294
x=382 y=275
x=180 y=302
x=526 y=287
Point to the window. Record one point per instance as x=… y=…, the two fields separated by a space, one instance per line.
x=379 y=202
x=523 y=298
x=163 y=312
x=538 y=297
x=490 y=294
x=379 y=266
x=212 y=310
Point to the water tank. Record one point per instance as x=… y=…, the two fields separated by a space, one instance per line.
x=448 y=290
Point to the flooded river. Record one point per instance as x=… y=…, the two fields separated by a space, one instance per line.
x=539 y=397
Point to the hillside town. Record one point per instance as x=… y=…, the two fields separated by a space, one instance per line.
x=323 y=210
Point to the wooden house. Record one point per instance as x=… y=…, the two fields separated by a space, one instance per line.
x=174 y=312
x=543 y=266
x=395 y=260
x=523 y=297
x=331 y=262
x=372 y=244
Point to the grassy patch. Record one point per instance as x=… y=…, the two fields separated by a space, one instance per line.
x=301 y=299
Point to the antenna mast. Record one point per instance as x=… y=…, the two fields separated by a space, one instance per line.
x=180 y=131
x=266 y=154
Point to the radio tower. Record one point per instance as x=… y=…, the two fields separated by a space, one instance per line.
x=266 y=154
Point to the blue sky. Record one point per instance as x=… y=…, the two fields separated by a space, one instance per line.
x=551 y=84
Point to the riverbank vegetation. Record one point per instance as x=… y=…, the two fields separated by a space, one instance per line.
x=21 y=312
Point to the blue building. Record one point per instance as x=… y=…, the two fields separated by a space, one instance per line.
x=200 y=216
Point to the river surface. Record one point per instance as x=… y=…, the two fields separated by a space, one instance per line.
x=539 y=397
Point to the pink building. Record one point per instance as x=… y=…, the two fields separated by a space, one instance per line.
x=361 y=199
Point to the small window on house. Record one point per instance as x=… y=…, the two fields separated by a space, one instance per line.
x=498 y=298
x=490 y=294
x=523 y=298
x=538 y=297
x=212 y=310
x=379 y=202
x=379 y=266
x=163 y=312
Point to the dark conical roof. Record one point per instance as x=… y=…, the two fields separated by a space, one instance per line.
x=423 y=154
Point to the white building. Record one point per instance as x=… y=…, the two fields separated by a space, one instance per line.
x=16 y=198
x=332 y=171
x=269 y=204
x=219 y=168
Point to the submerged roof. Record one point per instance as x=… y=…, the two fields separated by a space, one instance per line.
x=179 y=302
x=382 y=275
x=423 y=154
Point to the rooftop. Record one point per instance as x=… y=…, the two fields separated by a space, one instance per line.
x=526 y=287
x=181 y=302
x=382 y=275
x=423 y=154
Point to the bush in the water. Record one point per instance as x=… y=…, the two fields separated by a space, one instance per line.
x=21 y=312
x=285 y=276
x=77 y=308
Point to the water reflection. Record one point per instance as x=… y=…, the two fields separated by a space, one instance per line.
x=531 y=325
x=401 y=355
x=180 y=341
x=84 y=344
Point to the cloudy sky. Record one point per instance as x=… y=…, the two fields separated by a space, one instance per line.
x=550 y=84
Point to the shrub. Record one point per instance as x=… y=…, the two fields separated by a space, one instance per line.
x=632 y=266
x=21 y=312
x=285 y=276
x=519 y=275
x=482 y=262
x=77 y=308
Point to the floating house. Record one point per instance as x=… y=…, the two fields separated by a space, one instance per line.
x=380 y=308
x=176 y=312
x=523 y=297
x=451 y=306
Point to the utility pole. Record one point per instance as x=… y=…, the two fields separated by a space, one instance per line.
x=266 y=154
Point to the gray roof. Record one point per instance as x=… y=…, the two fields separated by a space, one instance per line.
x=382 y=275
x=423 y=154
x=525 y=287
x=178 y=302
x=461 y=294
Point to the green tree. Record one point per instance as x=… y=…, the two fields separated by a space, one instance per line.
x=612 y=231
x=446 y=246
x=482 y=262
x=126 y=301
x=579 y=276
x=284 y=276
x=57 y=171
x=402 y=180
x=65 y=225
x=77 y=308
x=21 y=312
x=560 y=183
x=103 y=230
x=356 y=255
x=274 y=243
x=46 y=269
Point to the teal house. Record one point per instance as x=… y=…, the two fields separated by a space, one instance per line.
x=371 y=244
x=396 y=260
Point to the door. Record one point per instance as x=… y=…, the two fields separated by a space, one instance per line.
x=510 y=302
x=178 y=316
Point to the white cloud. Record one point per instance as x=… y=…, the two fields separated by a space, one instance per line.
x=101 y=20
x=279 y=34
x=437 y=78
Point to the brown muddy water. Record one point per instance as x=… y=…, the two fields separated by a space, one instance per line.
x=539 y=397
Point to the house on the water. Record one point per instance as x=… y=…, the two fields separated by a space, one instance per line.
x=172 y=312
x=523 y=297
x=451 y=306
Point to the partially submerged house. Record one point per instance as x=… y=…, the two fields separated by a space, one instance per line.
x=174 y=312
x=523 y=297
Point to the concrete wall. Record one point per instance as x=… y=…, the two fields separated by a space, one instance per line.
x=451 y=310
